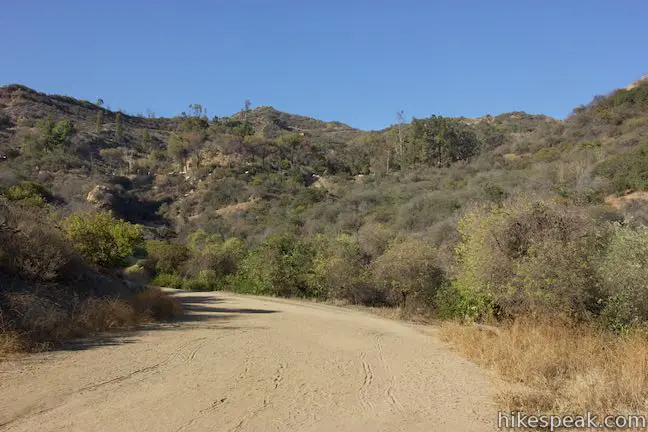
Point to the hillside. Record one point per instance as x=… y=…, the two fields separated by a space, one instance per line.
x=263 y=170
x=129 y=167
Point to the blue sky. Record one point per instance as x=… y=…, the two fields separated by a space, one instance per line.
x=354 y=61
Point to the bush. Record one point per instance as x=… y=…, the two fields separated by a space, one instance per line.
x=155 y=304
x=374 y=239
x=28 y=192
x=101 y=239
x=31 y=248
x=624 y=271
x=339 y=271
x=5 y=121
x=221 y=258
x=34 y=321
x=167 y=280
x=279 y=266
x=165 y=257
x=408 y=272
x=627 y=171
x=137 y=274
x=526 y=257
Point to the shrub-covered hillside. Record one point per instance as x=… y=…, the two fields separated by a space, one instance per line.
x=494 y=217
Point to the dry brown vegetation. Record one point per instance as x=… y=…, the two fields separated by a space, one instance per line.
x=560 y=368
x=38 y=323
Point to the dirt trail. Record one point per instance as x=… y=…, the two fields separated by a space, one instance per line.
x=251 y=364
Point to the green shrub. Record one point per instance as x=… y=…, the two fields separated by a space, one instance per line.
x=167 y=257
x=167 y=280
x=279 y=266
x=624 y=271
x=27 y=192
x=527 y=257
x=137 y=274
x=627 y=171
x=101 y=239
x=339 y=271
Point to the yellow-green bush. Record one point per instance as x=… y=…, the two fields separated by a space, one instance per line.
x=101 y=239
x=27 y=192
x=339 y=271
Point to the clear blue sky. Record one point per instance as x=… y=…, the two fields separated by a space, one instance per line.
x=354 y=61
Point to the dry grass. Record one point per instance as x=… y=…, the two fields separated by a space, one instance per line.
x=561 y=368
x=34 y=323
x=155 y=304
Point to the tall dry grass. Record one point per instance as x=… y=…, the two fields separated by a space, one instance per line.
x=561 y=368
x=29 y=322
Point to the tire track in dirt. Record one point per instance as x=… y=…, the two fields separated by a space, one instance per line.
x=367 y=380
x=390 y=392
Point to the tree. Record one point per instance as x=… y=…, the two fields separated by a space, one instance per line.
x=99 y=121
x=289 y=142
x=147 y=142
x=400 y=118
x=378 y=151
x=178 y=150
x=442 y=141
x=258 y=147
x=197 y=110
x=114 y=156
x=246 y=107
x=55 y=134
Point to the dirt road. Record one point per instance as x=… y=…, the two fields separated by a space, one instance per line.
x=251 y=364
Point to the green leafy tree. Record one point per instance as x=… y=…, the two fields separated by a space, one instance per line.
x=441 y=141
x=178 y=150
x=624 y=271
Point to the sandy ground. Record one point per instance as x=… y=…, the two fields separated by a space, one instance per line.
x=238 y=363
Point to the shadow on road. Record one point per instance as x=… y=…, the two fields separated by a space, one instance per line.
x=197 y=308
x=201 y=308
